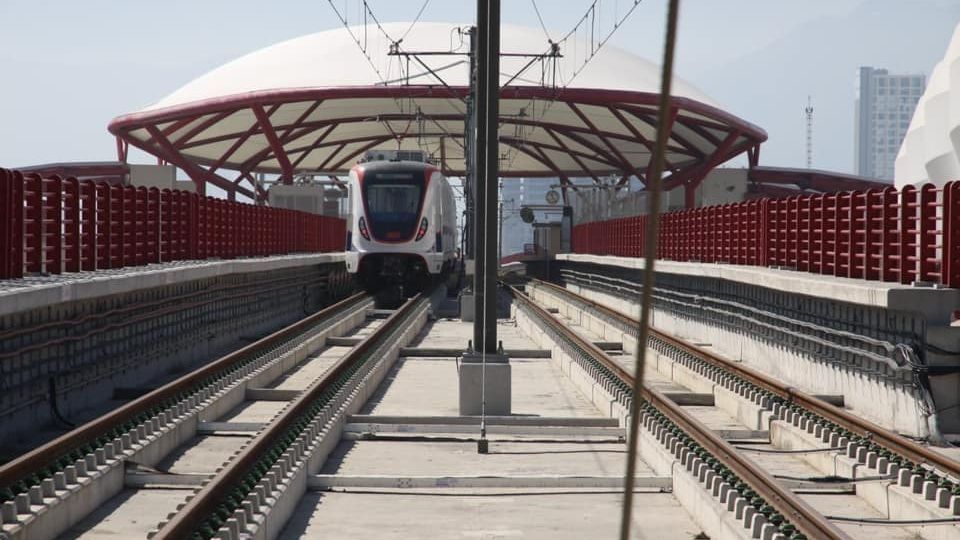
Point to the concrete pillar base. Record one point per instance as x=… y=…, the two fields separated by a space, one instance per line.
x=466 y=307
x=497 y=381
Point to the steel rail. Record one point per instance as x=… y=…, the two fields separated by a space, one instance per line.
x=793 y=508
x=190 y=519
x=47 y=454
x=893 y=442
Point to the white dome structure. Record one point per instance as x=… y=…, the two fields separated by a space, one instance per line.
x=314 y=104
x=930 y=152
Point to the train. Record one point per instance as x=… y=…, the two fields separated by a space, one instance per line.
x=402 y=228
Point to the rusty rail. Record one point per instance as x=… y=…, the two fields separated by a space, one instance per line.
x=891 y=441
x=49 y=453
x=790 y=506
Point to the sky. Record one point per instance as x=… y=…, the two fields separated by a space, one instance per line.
x=70 y=67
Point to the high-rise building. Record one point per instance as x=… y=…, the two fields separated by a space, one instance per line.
x=884 y=108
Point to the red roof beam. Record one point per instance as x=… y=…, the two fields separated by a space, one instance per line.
x=200 y=128
x=274 y=142
x=359 y=151
x=688 y=147
x=573 y=155
x=166 y=150
x=628 y=167
x=317 y=143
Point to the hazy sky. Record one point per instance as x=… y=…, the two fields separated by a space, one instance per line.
x=69 y=67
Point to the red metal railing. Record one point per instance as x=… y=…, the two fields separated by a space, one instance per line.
x=881 y=235
x=55 y=225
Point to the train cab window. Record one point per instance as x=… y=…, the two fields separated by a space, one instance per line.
x=393 y=202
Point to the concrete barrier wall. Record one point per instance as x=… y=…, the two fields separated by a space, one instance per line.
x=81 y=352
x=820 y=344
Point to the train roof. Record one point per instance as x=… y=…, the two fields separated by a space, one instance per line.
x=403 y=166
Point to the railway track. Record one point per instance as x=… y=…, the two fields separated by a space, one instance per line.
x=257 y=488
x=49 y=489
x=816 y=430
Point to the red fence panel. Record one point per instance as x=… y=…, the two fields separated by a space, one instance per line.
x=88 y=225
x=11 y=224
x=951 y=235
x=72 y=240
x=33 y=224
x=928 y=236
x=102 y=206
x=54 y=225
x=887 y=235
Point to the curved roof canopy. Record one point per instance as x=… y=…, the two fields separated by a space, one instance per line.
x=930 y=151
x=316 y=103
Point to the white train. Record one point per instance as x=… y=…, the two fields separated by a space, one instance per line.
x=403 y=225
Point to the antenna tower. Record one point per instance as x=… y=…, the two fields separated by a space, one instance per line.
x=809 y=111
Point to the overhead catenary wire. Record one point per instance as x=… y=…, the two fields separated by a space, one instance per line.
x=368 y=14
x=588 y=16
x=655 y=188
x=540 y=18
x=415 y=20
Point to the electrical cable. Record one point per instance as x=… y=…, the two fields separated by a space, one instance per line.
x=779 y=451
x=654 y=185
x=920 y=380
x=415 y=20
x=833 y=479
x=894 y=522
x=385 y=81
x=54 y=407
x=515 y=151
x=539 y=18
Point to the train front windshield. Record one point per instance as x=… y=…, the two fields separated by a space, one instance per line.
x=393 y=202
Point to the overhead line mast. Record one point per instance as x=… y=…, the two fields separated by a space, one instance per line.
x=809 y=112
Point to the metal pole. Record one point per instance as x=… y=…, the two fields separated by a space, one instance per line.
x=646 y=294
x=487 y=152
x=500 y=227
x=470 y=155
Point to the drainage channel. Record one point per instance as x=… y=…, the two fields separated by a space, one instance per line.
x=49 y=489
x=686 y=447
x=899 y=482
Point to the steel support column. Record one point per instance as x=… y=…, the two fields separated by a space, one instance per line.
x=487 y=152
x=470 y=153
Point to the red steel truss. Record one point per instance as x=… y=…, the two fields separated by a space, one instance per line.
x=578 y=132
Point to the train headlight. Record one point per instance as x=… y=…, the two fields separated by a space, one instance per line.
x=422 y=230
x=362 y=224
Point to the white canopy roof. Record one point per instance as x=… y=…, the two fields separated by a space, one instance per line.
x=930 y=151
x=316 y=103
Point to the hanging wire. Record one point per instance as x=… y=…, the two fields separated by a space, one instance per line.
x=540 y=18
x=415 y=20
x=589 y=15
x=368 y=14
x=655 y=188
